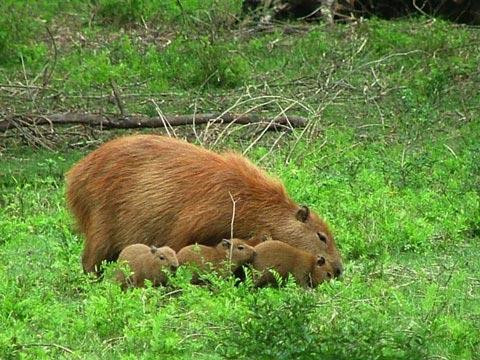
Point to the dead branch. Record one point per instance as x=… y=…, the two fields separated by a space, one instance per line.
x=106 y=121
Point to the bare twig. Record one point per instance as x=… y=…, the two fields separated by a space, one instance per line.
x=402 y=161
x=272 y=147
x=173 y=292
x=311 y=13
x=193 y=123
x=165 y=122
x=231 y=226
x=238 y=101
x=61 y=347
x=48 y=74
x=266 y=128
x=30 y=94
x=312 y=124
x=116 y=93
x=20 y=86
x=389 y=57
x=420 y=10
x=270 y=99
x=359 y=50
x=261 y=125
x=451 y=150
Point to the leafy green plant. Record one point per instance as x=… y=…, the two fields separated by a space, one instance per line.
x=119 y=12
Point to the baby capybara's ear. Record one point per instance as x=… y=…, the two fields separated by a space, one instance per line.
x=259 y=238
x=153 y=249
x=264 y=236
x=303 y=213
x=226 y=243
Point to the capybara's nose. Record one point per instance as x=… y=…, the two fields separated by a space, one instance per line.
x=173 y=267
x=338 y=270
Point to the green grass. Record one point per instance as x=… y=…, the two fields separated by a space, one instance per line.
x=391 y=161
x=410 y=289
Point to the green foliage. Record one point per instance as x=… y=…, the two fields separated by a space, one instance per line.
x=205 y=63
x=408 y=234
x=133 y=12
x=281 y=317
x=15 y=28
x=392 y=162
x=120 y=12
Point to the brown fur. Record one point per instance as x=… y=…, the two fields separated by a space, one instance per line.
x=146 y=263
x=307 y=269
x=258 y=238
x=133 y=188
x=216 y=258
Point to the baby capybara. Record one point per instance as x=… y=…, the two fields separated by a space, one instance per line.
x=235 y=251
x=133 y=188
x=307 y=269
x=146 y=263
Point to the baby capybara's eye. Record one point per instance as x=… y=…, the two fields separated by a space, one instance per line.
x=322 y=237
x=241 y=247
x=162 y=257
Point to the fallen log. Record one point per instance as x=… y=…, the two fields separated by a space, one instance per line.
x=106 y=121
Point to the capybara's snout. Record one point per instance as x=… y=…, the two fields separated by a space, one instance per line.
x=173 y=267
x=337 y=269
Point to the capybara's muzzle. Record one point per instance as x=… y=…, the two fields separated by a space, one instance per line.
x=173 y=268
x=337 y=269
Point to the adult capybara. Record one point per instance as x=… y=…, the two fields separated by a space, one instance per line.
x=307 y=269
x=134 y=188
x=235 y=251
x=146 y=263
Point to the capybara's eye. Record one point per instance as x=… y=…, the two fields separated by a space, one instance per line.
x=322 y=237
x=162 y=257
x=321 y=261
x=241 y=247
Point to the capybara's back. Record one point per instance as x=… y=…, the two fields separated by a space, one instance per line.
x=224 y=258
x=307 y=269
x=235 y=250
x=135 y=188
x=145 y=263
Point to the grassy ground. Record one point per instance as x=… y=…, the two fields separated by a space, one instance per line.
x=391 y=159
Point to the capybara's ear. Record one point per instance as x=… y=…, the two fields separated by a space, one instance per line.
x=226 y=243
x=153 y=249
x=303 y=213
x=264 y=236
x=320 y=261
x=259 y=238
